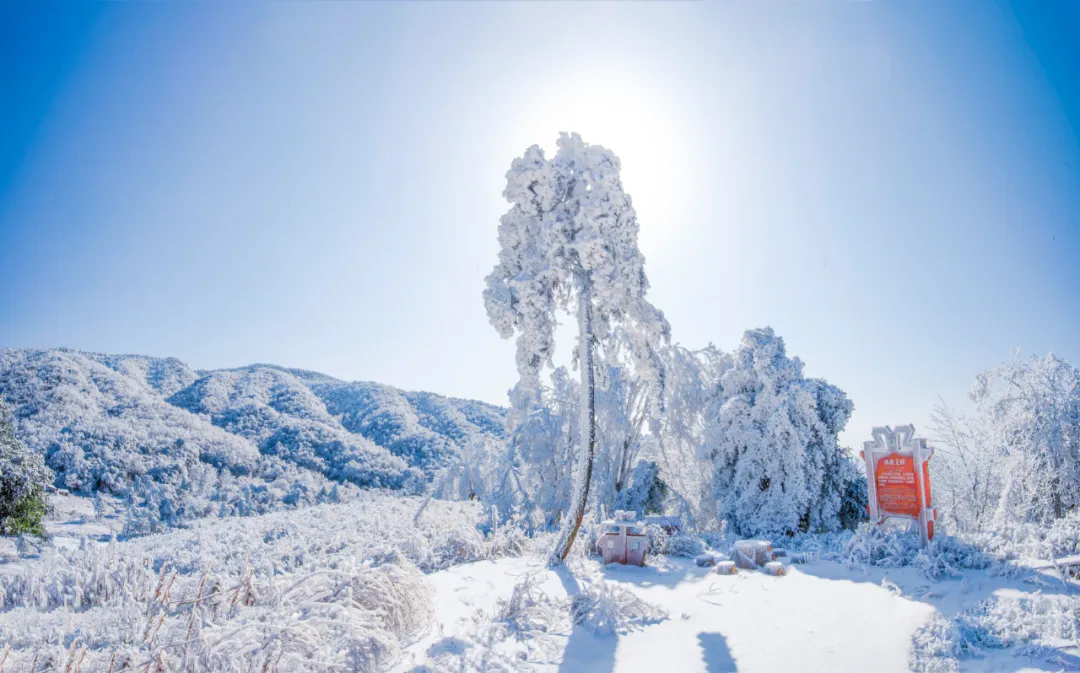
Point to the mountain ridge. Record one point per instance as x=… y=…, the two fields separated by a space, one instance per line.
x=185 y=442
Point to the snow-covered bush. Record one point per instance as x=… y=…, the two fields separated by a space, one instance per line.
x=609 y=609
x=536 y=474
x=1033 y=410
x=966 y=472
x=935 y=647
x=1032 y=541
x=529 y=609
x=674 y=544
x=287 y=591
x=23 y=483
x=692 y=381
x=1030 y=624
x=772 y=440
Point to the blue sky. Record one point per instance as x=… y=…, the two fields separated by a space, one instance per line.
x=893 y=186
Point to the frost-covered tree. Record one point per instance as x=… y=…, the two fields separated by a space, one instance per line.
x=624 y=406
x=569 y=242
x=1031 y=409
x=1016 y=458
x=545 y=432
x=644 y=491
x=692 y=388
x=771 y=437
x=24 y=480
x=967 y=470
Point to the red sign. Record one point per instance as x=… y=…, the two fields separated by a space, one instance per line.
x=897 y=468
x=897 y=485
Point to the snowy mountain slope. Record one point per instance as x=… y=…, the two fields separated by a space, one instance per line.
x=426 y=430
x=245 y=439
x=102 y=428
x=280 y=415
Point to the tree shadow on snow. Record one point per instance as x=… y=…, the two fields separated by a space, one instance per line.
x=716 y=655
x=585 y=650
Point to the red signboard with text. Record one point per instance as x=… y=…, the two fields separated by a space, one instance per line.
x=897 y=486
x=898 y=472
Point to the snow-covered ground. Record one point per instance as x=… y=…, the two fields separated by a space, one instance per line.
x=820 y=617
x=72 y=518
x=362 y=586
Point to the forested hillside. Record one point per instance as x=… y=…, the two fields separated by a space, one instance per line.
x=187 y=443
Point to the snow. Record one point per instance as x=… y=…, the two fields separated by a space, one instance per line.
x=477 y=609
x=748 y=622
x=823 y=616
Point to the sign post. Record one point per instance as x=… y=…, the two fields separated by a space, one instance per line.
x=898 y=478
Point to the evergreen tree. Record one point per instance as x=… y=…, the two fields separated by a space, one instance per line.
x=24 y=480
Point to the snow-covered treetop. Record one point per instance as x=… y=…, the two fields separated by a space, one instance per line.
x=571 y=229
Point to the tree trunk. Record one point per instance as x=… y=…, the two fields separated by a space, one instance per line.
x=587 y=430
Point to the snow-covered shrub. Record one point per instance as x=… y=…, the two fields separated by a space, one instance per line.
x=966 y=472
x=691 y=384
x=537 y=471
x=935 y=646
x=1033 y=541
x=674 y=544
x=627 y=405
x=872 y=545
x=332 y=586
x=609 y=609
x=510 y=538
x=1016 y=460
x=1026 y=621
x=24 y=480
x=772 y=440
x=1032 y=624
x=529 y=609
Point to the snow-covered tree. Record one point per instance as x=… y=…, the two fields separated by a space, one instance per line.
x=771 y=438
x=569 y=242
x=624 y=405
x=1032 y=411
x=692 y=386
x=23 y=483
x=967 y=470
x=644 y=491
x=542 y=444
